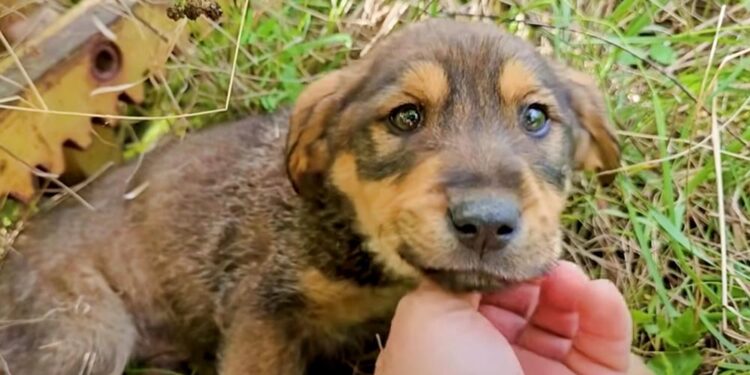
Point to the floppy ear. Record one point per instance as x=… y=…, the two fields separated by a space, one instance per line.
x=596 y=144
x=307 y=149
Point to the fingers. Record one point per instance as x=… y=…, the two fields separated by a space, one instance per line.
x=506 y=322
x=520 y=299
x=558 y=301
x=555 y=321
x=605 y=329
x=585 y=324
x=604 y=311
x=533 y=364
x=582 y=365
x=510 y=309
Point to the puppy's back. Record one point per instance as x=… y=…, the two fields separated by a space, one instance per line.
x=121 y=263
x=173 y=175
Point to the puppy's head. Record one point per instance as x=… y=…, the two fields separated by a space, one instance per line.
x=453 y=143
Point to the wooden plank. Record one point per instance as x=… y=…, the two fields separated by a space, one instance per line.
x=59 y=42
x=30 y=139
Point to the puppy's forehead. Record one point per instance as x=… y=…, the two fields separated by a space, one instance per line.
x=466 y=52
x=452 y=39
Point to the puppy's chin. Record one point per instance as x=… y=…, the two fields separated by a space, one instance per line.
x=467 y=281
x=461 y=280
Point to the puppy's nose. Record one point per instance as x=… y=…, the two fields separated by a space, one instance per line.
x=485 y=224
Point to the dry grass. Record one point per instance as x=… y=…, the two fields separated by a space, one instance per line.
x=678 y=80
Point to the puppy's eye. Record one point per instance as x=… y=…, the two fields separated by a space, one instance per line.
x=406 y=118
x=534 y=120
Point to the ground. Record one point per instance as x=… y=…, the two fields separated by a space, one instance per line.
x=674 y=72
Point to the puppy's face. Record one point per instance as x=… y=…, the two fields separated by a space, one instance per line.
x=454 y=143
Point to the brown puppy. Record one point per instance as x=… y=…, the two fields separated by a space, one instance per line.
x=444 y=153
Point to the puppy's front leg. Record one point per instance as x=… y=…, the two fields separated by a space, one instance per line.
x=259 y=347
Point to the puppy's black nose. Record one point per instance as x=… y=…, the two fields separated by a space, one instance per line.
x=485 y=224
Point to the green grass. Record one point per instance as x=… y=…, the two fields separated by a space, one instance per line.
x=654 y=232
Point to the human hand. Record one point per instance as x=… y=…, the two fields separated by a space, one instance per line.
x=438 y=333
x=563 y=323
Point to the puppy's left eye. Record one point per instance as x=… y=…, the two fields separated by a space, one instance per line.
x=406 y=118
x=535 y=121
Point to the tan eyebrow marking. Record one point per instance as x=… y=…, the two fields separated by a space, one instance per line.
x=518 y=85
x=424 y=82
x=516 y=81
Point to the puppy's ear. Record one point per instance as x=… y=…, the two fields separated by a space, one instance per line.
x=315 y=111
x=596 y=145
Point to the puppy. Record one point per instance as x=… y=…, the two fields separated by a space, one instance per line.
x=444 y=153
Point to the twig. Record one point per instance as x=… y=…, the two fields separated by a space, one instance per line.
x=702 y=142
x=4 y=364
x=236 y=54
x=683 y=141
x=54 y=201
x=12 y=53
x=114 y=117
x=716 y=143
x=141 y=156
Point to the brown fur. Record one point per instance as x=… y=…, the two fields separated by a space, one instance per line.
x=221 y=259
x=598 y=149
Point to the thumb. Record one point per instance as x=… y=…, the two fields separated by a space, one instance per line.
x=438 y=332
x=429 y=295
x=432 y=290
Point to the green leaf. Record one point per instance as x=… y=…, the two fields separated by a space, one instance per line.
x=662 y=53
x=640 y=317
x=685 y=362
x=10 y=212
x=624 y=58
x=638 y=24
x=644 y=242
x=651 y=329
x=679 y=237
x=684 y=331
x=326 y=41
x=623 y=9
x=155 y=130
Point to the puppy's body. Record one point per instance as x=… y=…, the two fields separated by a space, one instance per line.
x=421 y=160
x=217 y=232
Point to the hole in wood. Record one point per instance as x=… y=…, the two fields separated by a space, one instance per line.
x=106 y=61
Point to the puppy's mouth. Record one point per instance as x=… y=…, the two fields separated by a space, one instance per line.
x=463 y=280
x=467 y=281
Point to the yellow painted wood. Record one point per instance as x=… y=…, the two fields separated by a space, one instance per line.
x=30 y=139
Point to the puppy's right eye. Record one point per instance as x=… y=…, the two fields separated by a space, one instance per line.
x=406 y=118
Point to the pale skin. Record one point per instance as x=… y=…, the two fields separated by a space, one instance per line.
x=563 y=323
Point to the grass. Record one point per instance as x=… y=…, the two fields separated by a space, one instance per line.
x=674 y=71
